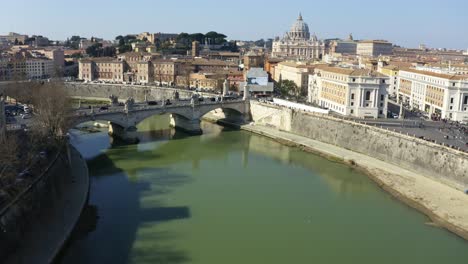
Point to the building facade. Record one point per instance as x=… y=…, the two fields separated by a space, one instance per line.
x=294 y=71
x=440 y=94
x=298 y=44
x=392 y=73
x=101 y=69
x=374 y=48
x=39 y=68
x=354 y=92
x=258 y=81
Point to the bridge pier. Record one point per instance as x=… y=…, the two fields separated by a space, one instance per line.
x=191 y=126
x=127 y=134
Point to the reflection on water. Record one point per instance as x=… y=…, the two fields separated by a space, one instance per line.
x=233 y=197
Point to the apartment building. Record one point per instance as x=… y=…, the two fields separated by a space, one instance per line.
x=392 y=73
x=442 y=94
x=374 y=48
x=355 y=92
x=297 y=72
x=101 y=69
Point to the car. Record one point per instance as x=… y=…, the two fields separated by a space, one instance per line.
x=43 y=155
x=24 y=174
x=152 y=103
x=26 y=116
x=103 y=108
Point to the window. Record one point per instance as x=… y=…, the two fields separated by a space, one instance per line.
x=368 y=95
x=465 y=101
x=354 y=79
x=381 y=112
x=382 y=97
x=352 y=103
x=352 y=96
x=451 y=107
x=381 y=104
x=352 y=111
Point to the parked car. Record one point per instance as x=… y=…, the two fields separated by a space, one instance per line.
x=103 y=108
x=24 y=174
x=26 y=116
x=152 y=103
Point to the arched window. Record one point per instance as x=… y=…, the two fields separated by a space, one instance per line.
x=367 y=95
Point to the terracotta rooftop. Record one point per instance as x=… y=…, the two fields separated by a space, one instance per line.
x=101 y=59
x=438 y=75
x=351 y=71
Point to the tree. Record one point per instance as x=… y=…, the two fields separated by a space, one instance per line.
x=260 y=43
x=288 y=88
x=124 y=48
x=94 y=50
x=75 y=39
x=16 y=41
x=216 y=38
x=51 y=105
x=197 y=37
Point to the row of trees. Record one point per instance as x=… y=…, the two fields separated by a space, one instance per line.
x=51 y=122
x=124 y=43
x=96 y=50
x=211 y=37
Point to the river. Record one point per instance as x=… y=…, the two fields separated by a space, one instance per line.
x=233 y=197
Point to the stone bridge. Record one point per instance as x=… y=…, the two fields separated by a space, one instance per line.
x=184 y=115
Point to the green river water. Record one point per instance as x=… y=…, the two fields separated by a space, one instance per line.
x=233 y=197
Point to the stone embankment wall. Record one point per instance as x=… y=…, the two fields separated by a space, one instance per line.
x=122 y=91
x=35 y=225
x=438 y=162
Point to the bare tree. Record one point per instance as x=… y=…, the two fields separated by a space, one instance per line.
x=52 y=109
x=9 y=155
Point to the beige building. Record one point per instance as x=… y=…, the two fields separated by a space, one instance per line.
x=39 y=68
x=442 y=94
x=392 y=73
x=101 y=69
x=294 y=71
x=57 y=55
x=206 y=65
x=166 y=71
x=374 y=48
x=207 y=81
x=298 y=44
x=145 y=72
x=354 y=92
x=12 y=37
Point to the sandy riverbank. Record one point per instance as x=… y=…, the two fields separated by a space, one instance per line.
x=444 y=205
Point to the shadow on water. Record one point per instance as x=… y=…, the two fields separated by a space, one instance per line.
x=123 y=218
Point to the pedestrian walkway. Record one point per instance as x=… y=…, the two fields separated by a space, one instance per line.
x=51 y=229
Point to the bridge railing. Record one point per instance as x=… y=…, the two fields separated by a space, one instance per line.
x=87 y=112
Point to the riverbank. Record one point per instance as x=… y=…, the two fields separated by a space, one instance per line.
x=445 y=206
x=53 y=226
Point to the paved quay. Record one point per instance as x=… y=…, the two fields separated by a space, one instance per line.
x=53 y=226
x=446 y=206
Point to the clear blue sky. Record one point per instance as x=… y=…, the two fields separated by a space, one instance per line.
x=405 y=22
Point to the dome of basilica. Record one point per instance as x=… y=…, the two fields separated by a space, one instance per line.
x=299 y=30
